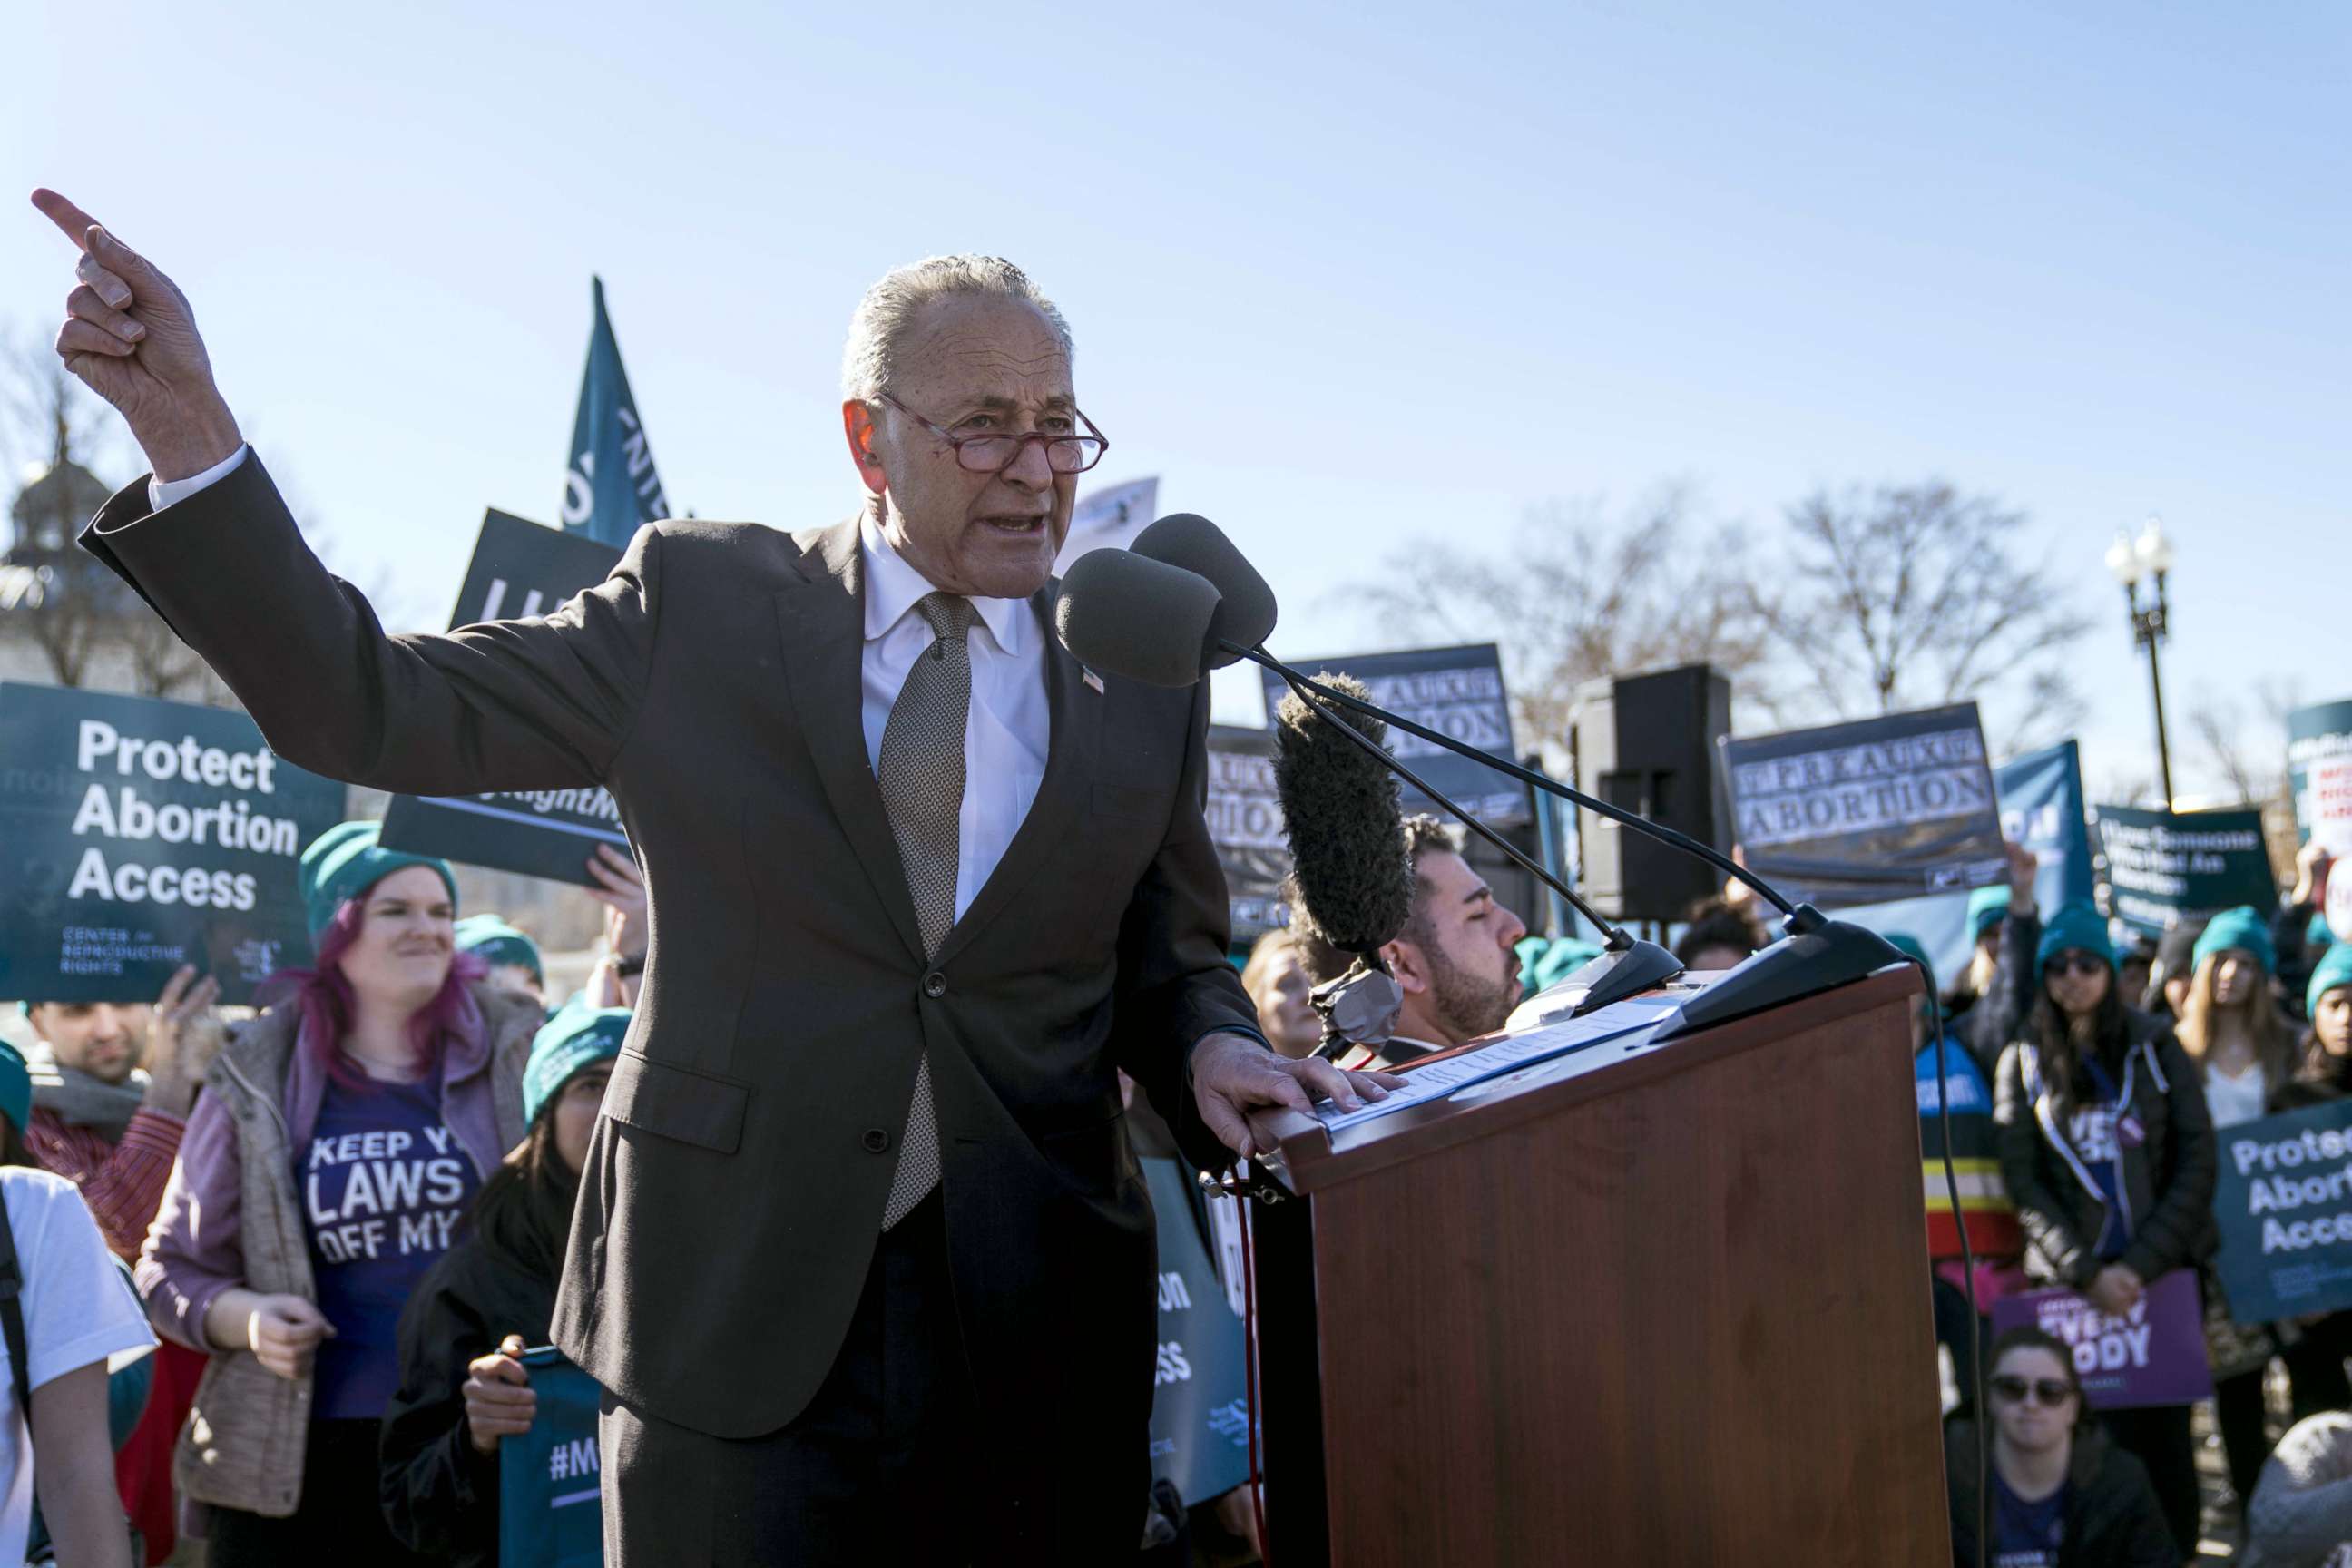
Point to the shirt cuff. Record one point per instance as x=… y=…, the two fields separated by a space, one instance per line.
x=161 y=493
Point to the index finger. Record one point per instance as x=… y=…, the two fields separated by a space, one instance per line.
x=76 y=223
x=175 y=987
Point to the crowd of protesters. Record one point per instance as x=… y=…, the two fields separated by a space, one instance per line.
x=338 y=1221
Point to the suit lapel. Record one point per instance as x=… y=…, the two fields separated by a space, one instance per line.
x=822 y=619
x=1075 y=713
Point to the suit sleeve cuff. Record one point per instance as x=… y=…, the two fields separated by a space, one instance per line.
x=161 y=493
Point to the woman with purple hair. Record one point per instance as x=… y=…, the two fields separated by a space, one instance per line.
x=331 y=1161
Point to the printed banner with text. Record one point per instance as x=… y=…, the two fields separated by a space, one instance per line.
x=550 y=1478
x=520 y=570
x=1200 y=1406
x=1875 y=809
x=2153 y=1354
x=2283 y=1203
x=1456 y=691
x=137 y=836
x=2165 y=866
x=1246 y=823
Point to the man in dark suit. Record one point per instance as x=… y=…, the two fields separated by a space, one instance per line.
x=861 y=1256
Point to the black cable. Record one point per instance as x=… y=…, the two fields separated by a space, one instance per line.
x=1618 y=940
x=1978 y=1412
x=1528 y=776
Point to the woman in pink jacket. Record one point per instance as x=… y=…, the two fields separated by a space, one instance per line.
x=331 y=1159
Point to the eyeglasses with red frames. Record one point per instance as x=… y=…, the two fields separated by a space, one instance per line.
x=994 y=451
x=2050 y=1391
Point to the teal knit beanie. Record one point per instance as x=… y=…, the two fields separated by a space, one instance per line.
x=491 y=940
x=2075 y=925
x=15 y=1088
x=575 y=1037
x=346 y=861
x=2242 y=928
x=1909 y=946
x=1988 y=907
x=2333 y=969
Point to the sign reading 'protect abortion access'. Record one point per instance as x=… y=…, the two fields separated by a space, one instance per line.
x=137 y=836
x=2283 y=1204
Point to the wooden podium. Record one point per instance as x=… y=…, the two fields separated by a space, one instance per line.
x=1651 y=1303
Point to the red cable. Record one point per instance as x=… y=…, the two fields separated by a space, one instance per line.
x=1249 y=1366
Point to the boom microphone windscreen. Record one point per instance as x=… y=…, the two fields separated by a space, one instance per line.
x=1247 y=617
x=1123 y=614
x=1346 y=828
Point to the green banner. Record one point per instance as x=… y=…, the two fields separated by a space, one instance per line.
x=137 y=836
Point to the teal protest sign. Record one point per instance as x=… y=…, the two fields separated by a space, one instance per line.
x=550 y=1478
x=518 y=569
x=1199 y=1408
x=2166 y=866
x=137 y=836
x=2284 y=1205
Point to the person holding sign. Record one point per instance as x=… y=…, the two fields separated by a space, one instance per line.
x=462 y=1383
x=920 y=886
x=383 y=1086
x=2063 y=1495
x=2244 y=1051
x=2108 y=1153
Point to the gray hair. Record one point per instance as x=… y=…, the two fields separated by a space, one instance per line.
x=882 y=316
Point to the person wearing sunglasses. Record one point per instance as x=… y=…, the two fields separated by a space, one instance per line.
x=2108 y=1151
x=2062 y=1492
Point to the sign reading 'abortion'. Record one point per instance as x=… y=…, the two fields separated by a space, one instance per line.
x=2283 y=1204
x=137 y=836
x=1244 y=817
x=1881 y=808
x=520 y=570
x=2153 y=1354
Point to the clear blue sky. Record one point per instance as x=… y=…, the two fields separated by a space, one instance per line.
x=1344 y=276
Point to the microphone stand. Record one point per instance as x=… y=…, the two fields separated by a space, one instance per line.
x=1814 y=953
x=1627 y=964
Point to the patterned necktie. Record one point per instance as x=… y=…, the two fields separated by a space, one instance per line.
x=922 y=773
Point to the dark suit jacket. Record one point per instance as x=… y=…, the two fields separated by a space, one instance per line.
x=734 y=1189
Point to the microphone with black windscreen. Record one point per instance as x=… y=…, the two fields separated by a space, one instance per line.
x=1109 y=607
x=1346 y=830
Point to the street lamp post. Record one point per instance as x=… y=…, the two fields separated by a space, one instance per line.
x=2131 y=561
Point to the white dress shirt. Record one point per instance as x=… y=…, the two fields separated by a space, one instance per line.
x=1009 y=727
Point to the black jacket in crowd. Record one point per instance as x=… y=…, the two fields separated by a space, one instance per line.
x=440 y=1495
x=2168 y=1176
x=2112 y=1517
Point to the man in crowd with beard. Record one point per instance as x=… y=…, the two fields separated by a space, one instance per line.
x=1456 y=960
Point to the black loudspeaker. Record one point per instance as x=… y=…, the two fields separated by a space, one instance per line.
x=1647 y=742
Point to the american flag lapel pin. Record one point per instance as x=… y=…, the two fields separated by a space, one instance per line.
x=1094 y=682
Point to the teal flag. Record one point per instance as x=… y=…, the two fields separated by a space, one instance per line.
x=610 y=485
x=550 y=1511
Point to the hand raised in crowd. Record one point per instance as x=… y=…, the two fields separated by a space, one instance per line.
x=2022 y=864
x=183 y=1038
x=130 y=337
x=499 y=1402
x=1235 y=1077
x=622 y=892
x=283 y=1331
x=2117 y=1290
x=2311 y=863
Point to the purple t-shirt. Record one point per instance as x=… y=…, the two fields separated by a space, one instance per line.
x=386 y=1189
